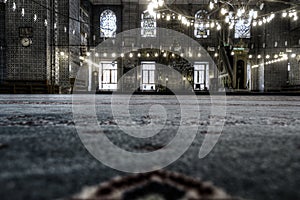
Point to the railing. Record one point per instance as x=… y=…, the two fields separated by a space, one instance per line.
x=226 y=61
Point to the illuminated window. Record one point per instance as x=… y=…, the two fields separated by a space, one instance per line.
x=201 y=76
x=148 y=75
x=201 y=29
x=243 y=28
x=108 y=24
x=109 y=76
x=148 y=25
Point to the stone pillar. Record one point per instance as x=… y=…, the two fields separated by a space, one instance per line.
x=90 y=77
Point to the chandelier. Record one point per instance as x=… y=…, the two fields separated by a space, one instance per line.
x=221 y=12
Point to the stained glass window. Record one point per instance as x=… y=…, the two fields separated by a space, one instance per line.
x=148 y=25
x=108 y=24
x=243 y=28
x=201 y=29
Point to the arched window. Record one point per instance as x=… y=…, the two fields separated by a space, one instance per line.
x=108 y=24
x=148 y=25
x=201 y=24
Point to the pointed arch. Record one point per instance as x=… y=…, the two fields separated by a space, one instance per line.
x=201 y=21
x=108 y=24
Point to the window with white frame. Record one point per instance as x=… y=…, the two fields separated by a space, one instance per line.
x=148 y=75
x=108 y=24
x=201 y=76
x=109 y=76
x=148 y=25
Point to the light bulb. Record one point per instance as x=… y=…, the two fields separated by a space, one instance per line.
x=284 y=14
x=14 y=7
x=211 y=5
x=255 y=15
x=23 y=12
x=168 y=17
x=296 y=18
x=161 y=3
x=158 y=16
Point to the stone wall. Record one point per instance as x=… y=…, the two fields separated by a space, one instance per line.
x=272 y=39
x=2 y=43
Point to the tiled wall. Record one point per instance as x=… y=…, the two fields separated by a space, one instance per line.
x=26 y=63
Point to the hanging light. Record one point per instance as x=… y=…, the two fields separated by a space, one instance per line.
x=224 y=11
x=14 y=7
x=35 y=17
x=254 y=23
x=295 y=18
x=284 y=14
x=211 y=5
x=168 y=17
x=23 y=12
x=161 y=3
